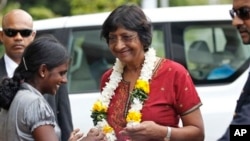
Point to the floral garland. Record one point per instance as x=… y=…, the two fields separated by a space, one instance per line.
x=138 y=95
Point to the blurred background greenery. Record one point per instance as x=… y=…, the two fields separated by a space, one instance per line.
x=42 y=9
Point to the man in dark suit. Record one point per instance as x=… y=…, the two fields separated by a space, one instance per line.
x=17 y=33
x=240 y=14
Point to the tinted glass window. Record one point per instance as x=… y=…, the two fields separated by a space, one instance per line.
x=213 y=52
x=90 y=59
x=158 y=40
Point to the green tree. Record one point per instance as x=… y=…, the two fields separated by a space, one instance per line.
x=40 y=9
x=195 y=2
x=92 y=6
x=187 y=2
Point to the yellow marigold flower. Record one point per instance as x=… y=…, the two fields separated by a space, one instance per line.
x=99 y=107
x=107 y=129
x=133 y=116
x=141 y=84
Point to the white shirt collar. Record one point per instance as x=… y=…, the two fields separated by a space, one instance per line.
x=10 y=65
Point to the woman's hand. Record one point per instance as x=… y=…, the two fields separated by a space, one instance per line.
x=144 y=131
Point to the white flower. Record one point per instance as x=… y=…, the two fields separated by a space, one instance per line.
x=111 y=136
x=136 y=105
x=132 y=124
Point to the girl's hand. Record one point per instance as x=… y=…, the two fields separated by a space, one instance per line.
x=95 y=134
x=76 y=135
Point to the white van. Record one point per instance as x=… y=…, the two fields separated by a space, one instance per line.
x=201 y=38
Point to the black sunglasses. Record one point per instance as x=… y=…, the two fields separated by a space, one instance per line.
x=243 y=13
x=13 y=32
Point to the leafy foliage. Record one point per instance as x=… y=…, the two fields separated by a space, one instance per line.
x=91 y=6
x=98 y=116
x=41 y=12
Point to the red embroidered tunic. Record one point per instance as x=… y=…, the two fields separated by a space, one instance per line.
x=172 y=93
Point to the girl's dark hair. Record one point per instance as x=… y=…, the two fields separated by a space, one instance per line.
x=45 y=49
x=130 y=17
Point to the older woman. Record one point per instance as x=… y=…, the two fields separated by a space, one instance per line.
x=144 y=96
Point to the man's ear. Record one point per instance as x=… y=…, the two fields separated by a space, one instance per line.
x=33 y=35
x=42 y=72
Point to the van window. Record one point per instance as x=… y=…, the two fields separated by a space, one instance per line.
x=214 y=52
x=90 y=59
x=158 y=40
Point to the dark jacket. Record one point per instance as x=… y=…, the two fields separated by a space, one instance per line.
x=60 y=104
x=242 y=110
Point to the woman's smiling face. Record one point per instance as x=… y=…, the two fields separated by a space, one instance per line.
x=125 y=45
x=54 y=78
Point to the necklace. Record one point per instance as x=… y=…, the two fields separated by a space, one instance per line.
x=138 y=95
